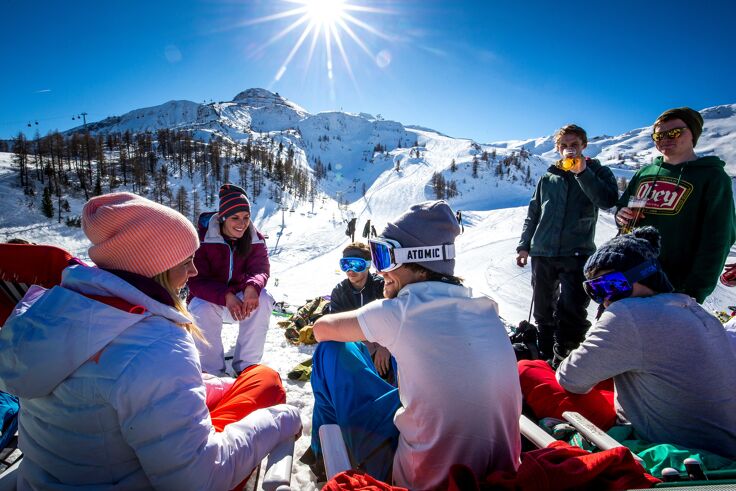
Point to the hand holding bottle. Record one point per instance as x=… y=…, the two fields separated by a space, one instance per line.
x=571 y=161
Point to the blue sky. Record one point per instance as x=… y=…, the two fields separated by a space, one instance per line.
x=486 y=70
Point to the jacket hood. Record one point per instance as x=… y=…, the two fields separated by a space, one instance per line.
x=709 y=161
x=54 y=332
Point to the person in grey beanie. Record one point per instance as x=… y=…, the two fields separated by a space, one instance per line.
x=672 y=364
x=458 y=400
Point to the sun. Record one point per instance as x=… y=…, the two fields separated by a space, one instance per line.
x=324 y=12
x=328 y=21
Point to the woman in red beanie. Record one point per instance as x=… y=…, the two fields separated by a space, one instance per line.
x=233 y=270
x=108 y=374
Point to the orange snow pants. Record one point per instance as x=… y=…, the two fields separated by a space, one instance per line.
x=258 y=386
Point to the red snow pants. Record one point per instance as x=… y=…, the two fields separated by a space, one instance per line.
x=547 y=398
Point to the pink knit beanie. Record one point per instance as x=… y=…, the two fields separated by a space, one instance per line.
x=132 y=233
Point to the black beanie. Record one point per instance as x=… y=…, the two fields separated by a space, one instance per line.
x=232 y=201
x=628 y=251
x=690 y=117
x=353 y=250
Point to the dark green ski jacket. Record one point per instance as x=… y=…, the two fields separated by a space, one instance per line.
x=564 y=209
x=691 y=204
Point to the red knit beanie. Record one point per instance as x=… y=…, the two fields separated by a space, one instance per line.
x=132 y=233
x=232 y=201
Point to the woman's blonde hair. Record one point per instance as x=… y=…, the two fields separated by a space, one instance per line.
x=179 y=304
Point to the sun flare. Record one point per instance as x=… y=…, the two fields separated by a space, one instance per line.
x=324 y=12
x=332 y=22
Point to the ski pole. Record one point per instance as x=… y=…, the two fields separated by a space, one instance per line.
x=529 y=318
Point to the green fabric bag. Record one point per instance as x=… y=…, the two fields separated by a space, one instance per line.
x=302 y=371
x=657 y=456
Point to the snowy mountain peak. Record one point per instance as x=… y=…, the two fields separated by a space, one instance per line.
x=718 y=112
x=262 y=98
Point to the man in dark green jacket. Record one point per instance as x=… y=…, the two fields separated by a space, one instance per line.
x=689 y=200
x=558 y=234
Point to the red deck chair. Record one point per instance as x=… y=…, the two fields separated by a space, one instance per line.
x=23 y=265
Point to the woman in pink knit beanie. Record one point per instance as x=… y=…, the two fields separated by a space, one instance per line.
x=108 y=374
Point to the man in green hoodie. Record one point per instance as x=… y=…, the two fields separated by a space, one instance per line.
x=688 y=199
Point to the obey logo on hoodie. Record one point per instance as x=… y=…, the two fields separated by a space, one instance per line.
x=664 y=195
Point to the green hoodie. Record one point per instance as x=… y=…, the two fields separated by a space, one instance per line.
x=691 y=204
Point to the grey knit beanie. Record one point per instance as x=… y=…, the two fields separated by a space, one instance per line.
x=628 y=251
x=426 y=224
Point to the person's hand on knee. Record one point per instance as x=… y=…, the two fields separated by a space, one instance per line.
x=250 y=300
x=234 y=306
x=382 y=360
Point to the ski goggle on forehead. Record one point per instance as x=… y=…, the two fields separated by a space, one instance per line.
x=616 y=285
x=357 y=264
x=672 y=134
x=388 y=254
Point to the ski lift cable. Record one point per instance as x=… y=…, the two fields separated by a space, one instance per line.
x=24 y=121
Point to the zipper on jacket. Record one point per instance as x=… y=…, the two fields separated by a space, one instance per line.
x=562 y=229
x=230 y=269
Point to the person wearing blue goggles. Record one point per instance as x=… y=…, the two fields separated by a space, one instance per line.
x=354 y=264
x=440 y=332
x=615 y=285
x=671 y=361
x=360 y=285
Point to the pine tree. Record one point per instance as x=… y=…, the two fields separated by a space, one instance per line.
x=182 y=201
x=453 y=166
x=20 y=157
x=47 y=206
x=196 y=210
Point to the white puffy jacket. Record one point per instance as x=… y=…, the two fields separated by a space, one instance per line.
x=133 y=417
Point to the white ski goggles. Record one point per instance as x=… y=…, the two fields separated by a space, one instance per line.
x=387 y=254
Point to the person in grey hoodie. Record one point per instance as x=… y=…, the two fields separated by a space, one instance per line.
x=672 y=364
x=105 y=366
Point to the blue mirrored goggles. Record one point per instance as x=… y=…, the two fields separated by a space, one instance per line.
x=387 y=254
x=382 y=253
x=616 y=285
x=357 y=264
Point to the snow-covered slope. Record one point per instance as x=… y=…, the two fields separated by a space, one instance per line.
x=172 y=114
x=635 y=147
x=494 y=183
